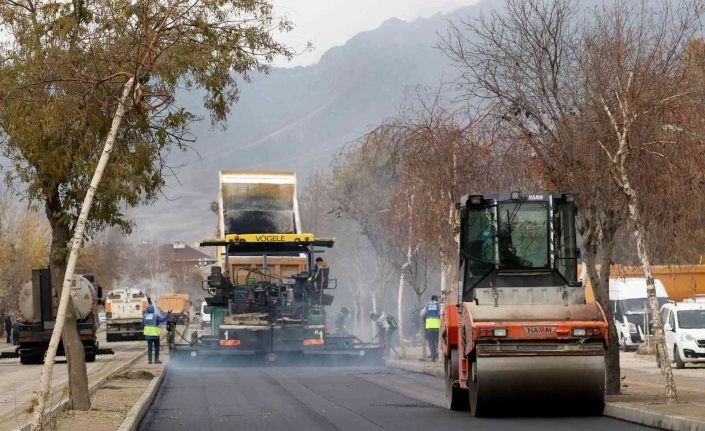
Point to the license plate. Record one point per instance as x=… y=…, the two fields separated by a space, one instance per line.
x=540 y=330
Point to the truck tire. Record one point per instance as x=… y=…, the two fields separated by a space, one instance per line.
x=90 y=357
x=31 y=359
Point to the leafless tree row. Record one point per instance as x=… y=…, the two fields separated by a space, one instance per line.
x=607 y=102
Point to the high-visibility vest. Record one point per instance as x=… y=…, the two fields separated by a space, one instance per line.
x=433 y=315
x=151 y=327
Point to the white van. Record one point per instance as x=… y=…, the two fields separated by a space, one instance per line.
x=205 y=315
x=631 y=309
x=684 y=326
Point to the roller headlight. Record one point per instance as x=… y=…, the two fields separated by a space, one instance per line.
x=579 y=332
x=500 y=332
x=632 y=328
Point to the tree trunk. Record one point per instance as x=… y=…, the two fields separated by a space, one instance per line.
x=65 y=310
x=638 y=231
x=76 y=362
x=422 y=326
x=447 y=294
x=400 y=308
x=79 y=399
x=619 y=163
x=600 y=287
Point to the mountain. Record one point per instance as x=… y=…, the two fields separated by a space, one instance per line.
x=299 y=118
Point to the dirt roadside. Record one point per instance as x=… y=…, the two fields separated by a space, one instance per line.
x=112 y=402
x=642 y=387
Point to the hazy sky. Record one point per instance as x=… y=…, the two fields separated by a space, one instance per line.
x=329 y=23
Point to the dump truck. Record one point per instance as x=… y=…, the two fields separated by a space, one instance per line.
x=260 y=297
x=520 y=335
x=37 y=305
x=123 y=314
x=178 y=304
x=680 y=281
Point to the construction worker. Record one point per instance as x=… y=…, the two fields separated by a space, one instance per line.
x=340 y=321
x=320 y=274
x=386 y=326
x=8 y=327
x=151 y=321
x=432 y=324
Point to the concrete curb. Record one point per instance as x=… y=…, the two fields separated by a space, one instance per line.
x=652 y=419
x=61 y=406
x=139 y=409
x=615 y=410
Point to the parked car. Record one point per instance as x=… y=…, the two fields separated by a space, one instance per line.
x=205 y=315
x=684 y=326
x=631 y=309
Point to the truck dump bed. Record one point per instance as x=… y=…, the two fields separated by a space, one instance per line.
x=177 y=303
x=258 y=202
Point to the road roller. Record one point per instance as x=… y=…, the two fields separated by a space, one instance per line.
x=519 y=337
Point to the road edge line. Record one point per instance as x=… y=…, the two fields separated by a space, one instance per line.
x=140 y=408
x=61 y=405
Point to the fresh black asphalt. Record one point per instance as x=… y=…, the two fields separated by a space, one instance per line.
x=325 y=398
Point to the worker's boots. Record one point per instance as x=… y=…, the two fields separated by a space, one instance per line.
x=157 y=361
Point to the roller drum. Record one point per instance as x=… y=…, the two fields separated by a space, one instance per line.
x=519 y=385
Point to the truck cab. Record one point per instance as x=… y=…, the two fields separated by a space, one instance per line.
x=123 y=313
x=629 y=303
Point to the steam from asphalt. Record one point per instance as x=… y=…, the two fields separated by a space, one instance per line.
x=280 y=359
x=155 y=286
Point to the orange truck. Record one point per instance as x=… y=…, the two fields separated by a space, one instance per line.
x=681 y=281
x=178 y=304
x=519 y=335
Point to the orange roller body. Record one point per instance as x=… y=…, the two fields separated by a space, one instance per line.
x=519 y=337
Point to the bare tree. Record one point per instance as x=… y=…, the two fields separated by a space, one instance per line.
x=637 y=78
x=421 y=270
x=24 y=245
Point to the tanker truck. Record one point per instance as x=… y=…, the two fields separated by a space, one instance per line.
x=36 y=308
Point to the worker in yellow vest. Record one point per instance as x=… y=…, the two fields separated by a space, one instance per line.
x=151 y=321
x=432 y=319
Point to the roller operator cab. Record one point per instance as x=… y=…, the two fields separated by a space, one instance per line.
x=520 y=337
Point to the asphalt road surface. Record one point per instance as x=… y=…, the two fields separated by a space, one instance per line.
x=325 y=398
